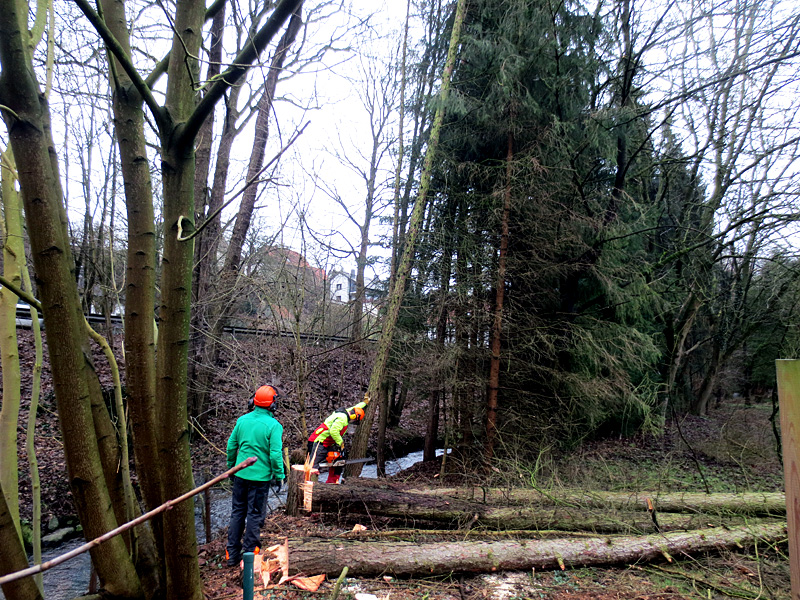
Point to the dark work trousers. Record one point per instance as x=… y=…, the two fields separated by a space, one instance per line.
x=247 y=515
x=318 y=453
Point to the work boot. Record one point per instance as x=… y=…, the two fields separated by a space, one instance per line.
x=231 y=561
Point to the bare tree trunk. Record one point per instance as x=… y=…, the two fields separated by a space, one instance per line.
x=230 y=270
x=439 y=376
x=382 y=423
x=397 y=405
x=13 y=558
x=682 y=326
x=233 y=256
x=202 y=367
x=29 y=134
x=424 y=91
x=400 y=150
x=432 y=427
x=369 y=559
x=205 y=250
x=357 y=327
x=497 y=325
x=464 y=364
x=177 y=159
x=13 y=260
x=700 y=402
x=140 y=277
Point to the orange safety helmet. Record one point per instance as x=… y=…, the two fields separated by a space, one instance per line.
x=357 y=414
x=265 y=396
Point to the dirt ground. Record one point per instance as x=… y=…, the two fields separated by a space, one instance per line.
x=750 y=574
x=732 y=449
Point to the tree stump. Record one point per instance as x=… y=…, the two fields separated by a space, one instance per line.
x=294 y=489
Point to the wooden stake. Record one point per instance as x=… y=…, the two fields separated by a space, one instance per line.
x=788 y=374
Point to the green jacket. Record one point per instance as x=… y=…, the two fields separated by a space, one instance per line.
x=257 y=434
x=334 y=427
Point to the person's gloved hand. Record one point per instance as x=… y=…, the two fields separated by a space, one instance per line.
x=277 y=484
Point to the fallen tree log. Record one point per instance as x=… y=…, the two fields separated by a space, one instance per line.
x=351 y=501
x=594 y=523
x=751 y=503
x=368 y=559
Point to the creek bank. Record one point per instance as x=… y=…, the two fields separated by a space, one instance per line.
x=55 y=531
x=71 y=579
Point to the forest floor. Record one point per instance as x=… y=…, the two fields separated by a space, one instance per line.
x=733 y=449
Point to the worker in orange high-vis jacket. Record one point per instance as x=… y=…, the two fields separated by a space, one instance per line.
x=326 y=443
x=258 y=434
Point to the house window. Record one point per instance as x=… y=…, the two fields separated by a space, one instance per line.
x=338 y=298
x=338 y=286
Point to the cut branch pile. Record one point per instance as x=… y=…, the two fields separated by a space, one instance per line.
x=689 y=523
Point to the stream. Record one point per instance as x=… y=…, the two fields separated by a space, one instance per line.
x=221 y=498
x=71 y=579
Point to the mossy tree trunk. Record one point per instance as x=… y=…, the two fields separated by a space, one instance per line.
x=13 y=258
x=30 y=433
x=13 y=558
x=161 y=432
x=361 y=437
x=26 y=115
x=369 y=559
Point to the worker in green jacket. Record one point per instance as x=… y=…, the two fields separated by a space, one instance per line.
x=258 y=434
x=326 y=442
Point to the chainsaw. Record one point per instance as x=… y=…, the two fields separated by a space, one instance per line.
x=340 y=462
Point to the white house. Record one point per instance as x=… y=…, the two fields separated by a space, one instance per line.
x=342 y=286
x=343 y=290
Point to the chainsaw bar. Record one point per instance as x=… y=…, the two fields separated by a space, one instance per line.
x=351 y=461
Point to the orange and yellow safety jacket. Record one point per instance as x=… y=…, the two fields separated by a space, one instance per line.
x=330 y=432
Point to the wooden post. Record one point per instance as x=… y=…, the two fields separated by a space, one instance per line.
x=788 y=374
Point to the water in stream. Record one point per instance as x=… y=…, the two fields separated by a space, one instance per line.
x=71 y=579
x=221 y=498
